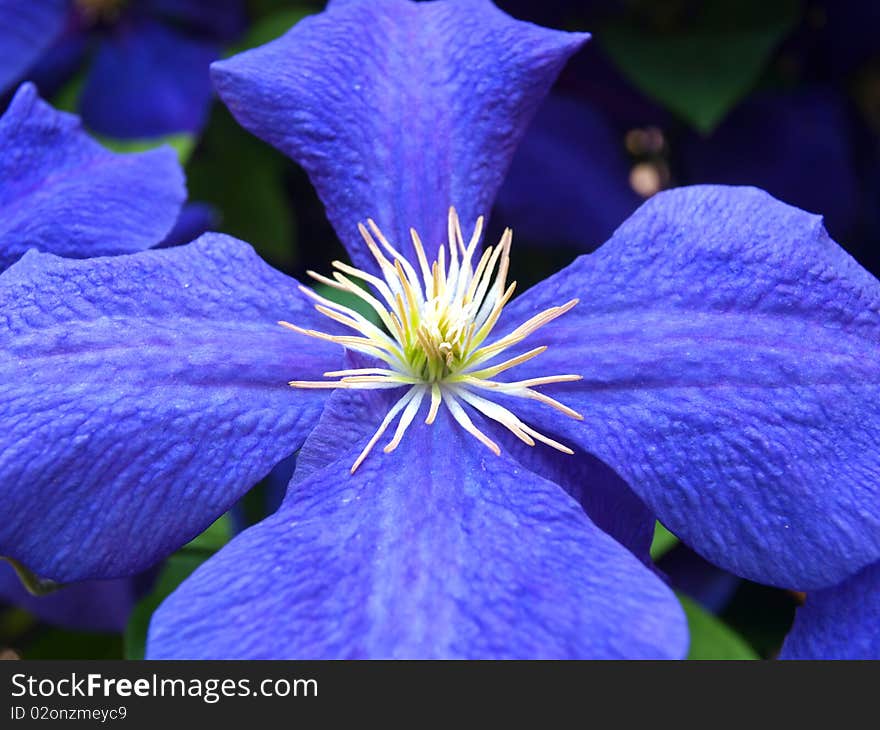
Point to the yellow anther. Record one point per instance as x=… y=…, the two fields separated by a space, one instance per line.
x=436 y=322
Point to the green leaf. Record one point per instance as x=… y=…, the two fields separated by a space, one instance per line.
x=183 y=144
x=701 y=70
x=214 y=538
x=13 y=623
x=663 y=542
x=352 y=301
x=67 y=99
x=711 y=638
x=61 y=644
x=176 y=569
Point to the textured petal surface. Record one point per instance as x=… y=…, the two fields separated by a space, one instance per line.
x=441 y=550
x=842 y=622
x=569 y=181
x=63 y=193
x=730 y=352
x=93 y=605
x=140 y=396
x=148 y=80
x=27 y=30
x=605 y=497
x=398 y=109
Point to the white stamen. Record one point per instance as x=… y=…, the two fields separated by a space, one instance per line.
x=436 y=322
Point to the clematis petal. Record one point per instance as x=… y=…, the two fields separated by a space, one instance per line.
x=398 y=109
x=438 y=550
x=148 y=80
x=840 y=622
x=194 y=220
x=604 y=496
x=220 y=19
x=568 y=183
x=63 y=193
x=140 y=396
x=797 y=146
x=58 y=65
x=27 y=30
x=355 y=413
x=730 y=354
x=93 y=605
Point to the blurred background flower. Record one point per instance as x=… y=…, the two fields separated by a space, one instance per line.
x=141 y=66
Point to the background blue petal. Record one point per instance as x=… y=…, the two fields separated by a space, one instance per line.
x=730 y=352
x=27 y=30
x=398 y=109
x=194 y=220
x=219 y=19
x=93 y=605
x=140 y=396
x=842 y=622
x=437 y=550
x=795 y=145
x=148 y=80
x=63 y=193
x=568 y=184
x=60 y=63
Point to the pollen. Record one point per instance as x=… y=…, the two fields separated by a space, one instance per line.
x=435 y=337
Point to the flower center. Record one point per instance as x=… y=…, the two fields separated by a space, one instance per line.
x=436 y=337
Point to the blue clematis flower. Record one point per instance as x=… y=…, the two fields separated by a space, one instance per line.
x=148 y=71
x=715 y=361
x=62 y=192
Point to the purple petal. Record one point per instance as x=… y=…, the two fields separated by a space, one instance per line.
x=27 y=30
x=220 y=19
x=194 y=220
x=730 y=352
x=140 y=396
x=438 y=550
x=93 y=605
x=604 y=496
x=796 y=146
x=398 y=109
x=148 y=80
x=569 y=181
x=58 y=65
x=63 y=193
x=842 y=622
x=356 y=414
